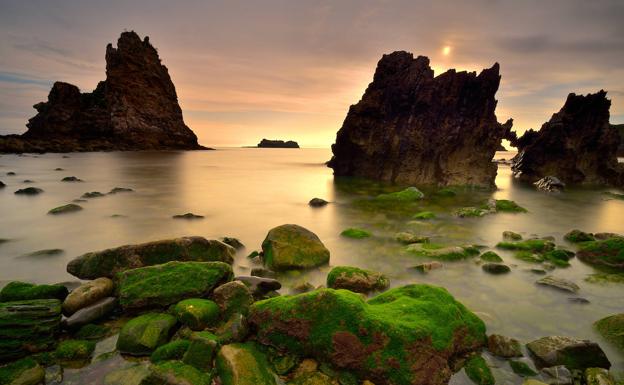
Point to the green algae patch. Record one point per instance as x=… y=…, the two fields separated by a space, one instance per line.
x=143 y=334
x=197 y=313
x=490 y=256
x=293 y=247
x=166 y=284
x=424 y=215
x=442 y=252
x=445 y=193
x=605 y=278
x=612 y=329
x=74 y=350
x=355 y=233
x=522 y=369
x=176 y=372
x=173 y=350
x=470 y=212
x=92 y=332
x=356 y=279
x=243 y=364
x=478 y=371
x=605 y=253
x=22 y=372
x=19 y=291
x=578 y=236
x=410 y=194
x=507 y=206
x=534 y=245
x=202 y=350
x=382 y=338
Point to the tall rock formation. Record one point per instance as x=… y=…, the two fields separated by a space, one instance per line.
x=135 y=108
x=411 y=127
x=577 y=145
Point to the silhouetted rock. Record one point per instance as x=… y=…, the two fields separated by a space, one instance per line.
x=411 y=127
x=135 y=108
x=620 y=129
x=267 y=143
x=577 y=144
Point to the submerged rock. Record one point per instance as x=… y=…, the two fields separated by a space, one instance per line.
x=107 y=263
x=29 y=191
x=412 y=127
x=87 y=294
x=317 y=202
x=409 y=238
x=570 y=352
x=376 y=339
x=559 y=283
x=355 y=233
x=490 y=256
x=143 y=334
x=293 y=247
x=118 y=190
x=550 y=184
x=607 y=253
x=577 y=236
x=22 y=372
x=45 y=253
x=441 y=252
x=68 y=208
x=234 y=242
x=495 y=268
x=612 y=329
x=71 y=179
x=410 y=194
x=428 y=266
x=356 y=279
x=188 y=216
x=92 y=194
x=511 y=236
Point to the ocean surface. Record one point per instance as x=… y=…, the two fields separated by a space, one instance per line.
x=244 y=192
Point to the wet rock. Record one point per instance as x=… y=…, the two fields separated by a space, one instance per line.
x=92 y=194
x=118 y=190
x=68 y=208
x=234 y=242
x=504 y=346
x=578 y=300
x=495 y=268
x=550 y=183
x=196 y=313
x=428 y=266
x=424 y=215
x=28 y=327
x=317 y=202
x=87 y=294
x=236 y=329
x=135 y=108
x=29 y=191
x=521 y=368
x=173 y=350
x=243 y=364
x=22 y=372
x=18 y=291
x=54 y=375
x=606 y=253
x=578 y=145
x=201 y=351
x=233 y=297
x=137 y=374
x=408 y=238
x=262 y=272
x=557 y=375
x=577 y=236
x=177 y=373
x=355 y=233
x=2 y=185
x=410 y=194
x=534 y=245
x=612 y=329
x=478 y=371
x=28 y=181
x=11 y=173
x=490 y=256
x=380 y=327
x=441 y=252
x=107 y=263
x=169 y=283
x=188 y=216
x=93 y=312
x=143 y=334
x=511 y=236
x=356 y=279
x=559 y=283
x=394 y=133
x=570 y=352
x=71 y=179
x=259 y=286
x=268 y=143
x=293 y=247
x=598 y=376
x=72 y=350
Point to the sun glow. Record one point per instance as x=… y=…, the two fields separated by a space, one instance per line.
x=446 y=50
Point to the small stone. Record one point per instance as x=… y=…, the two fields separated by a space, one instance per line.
x=571 y=352
x=259 y=286
x=504 y=346
x=317 y=202
x=579 y=300
x=262 y=272
x=511 y=236
x=355 y=233
x=408 y=238
x=188 y=216
x=29 y=191
x=92 y=194
x=495 y=268
x=68 y=208
x=71 y=179
x=559 y=283
x=118 y=190
x=91 y=313
x=428 y=266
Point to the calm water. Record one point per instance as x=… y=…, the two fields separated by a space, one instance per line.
x=245 y=192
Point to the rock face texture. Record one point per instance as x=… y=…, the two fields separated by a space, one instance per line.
x=135 y=108
x=577 y=145
x=411 y=127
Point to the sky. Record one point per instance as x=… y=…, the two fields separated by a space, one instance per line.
x=290 y=69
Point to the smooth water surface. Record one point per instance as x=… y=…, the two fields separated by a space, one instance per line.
x=245 y=192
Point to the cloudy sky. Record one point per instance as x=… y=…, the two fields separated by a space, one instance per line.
x=290 y=69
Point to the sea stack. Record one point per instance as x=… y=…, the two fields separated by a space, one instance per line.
x=135 y=108
x=413 y=128
x=577 y=145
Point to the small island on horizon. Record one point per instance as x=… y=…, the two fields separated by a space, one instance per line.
x=269 y=143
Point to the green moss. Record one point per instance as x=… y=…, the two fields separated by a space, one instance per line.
x=143 y=334
x=478 y=371
x=180 y=372
x=608 y=252
x=470 y=212
x=445 y=193
x=508 y=206
x=18 y=291
x=410 y=194
x=24 y=371
x=355 y=233
x=282 y=363
x=577 y=236
x=173 y=350
x=197 y=313
x=511 y=236
x=201 y=351
x=559 y=257
x=243 y=364
x=442 y=252
x=91 y=332
x=74 y=350
x=535 y=245
x=612 y=329
x=69 y=208
x=490 y=256
x=603 y=278
x=356 y=279
x=522 y=369
x=528 y=256
x=424 y=215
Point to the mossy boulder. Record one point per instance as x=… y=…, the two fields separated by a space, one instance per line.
x=173 y=350
x=424 y=215
x=28 y=327
x=385 y=339
x=605 y=253
x=490 y=256
x=293 y=247
x=409 y=194
x=570 y=352
x=471 y=212
x=22 y=372
x=577 y=236
x=70 y=350
x=355 y=233
x=177 y=373
x=234 y=297
x=143 y=334
x=87 y=294
x=612 y=329
x=92 y=332
x=495 y=268
x=108 y=263
x=507 y=206
x=521 y=368
x=441 y=252
x=511 y=236
x=356 y=279
x=18 y=291
x=197 y=313
x=68 y=208
x=201 y=351
x=409 y=238
x=478 y=371
x=243 y=364
x=169 y=283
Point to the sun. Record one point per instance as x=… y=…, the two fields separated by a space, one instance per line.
x=446 y=50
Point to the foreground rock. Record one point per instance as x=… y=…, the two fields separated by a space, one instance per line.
x=356 y=279
x=243 y=364
x=267 y=143
x=135 y=108
x=19 y=291
x=559 y=283
x=107 y=263
x=412 y=127
x=570 y=352
x=23 y=372
x=578 y=145
x=293 y=247
x=612 y=329
x=143 y=334
x=91 y=313
x=87 y=294
x=375 y=339
x=504 y=346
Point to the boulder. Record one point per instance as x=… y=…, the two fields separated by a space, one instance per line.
x=243 y=364
x=28 y=190
x=68 y=208
x=356 y=279
x=87 y=294
x=412 y=127
x=612 y=329
x=107 y=263
x=293 y=247
x=72 y=350
x=578 y=236
x=495 y=268
x=173 y=350
x=259 y=285
x=143 y=334
x=22 y=372
x=570 y=352
x=504 y=346
x=478 y=371
x=197 y=313
x=550 y=183
x=233 y=297
x=201 y=351
x=17 y=291
x=376 y=339
x=91 y=313
x=28 y=327
x=169 y=283
x=607 y=253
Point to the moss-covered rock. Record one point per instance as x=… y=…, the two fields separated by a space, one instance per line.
x=173 y=350
x=234 y=297
x=166 y=284
x=92 y=332
x=424 y=215
x=201 y=351
x=108 y=263
x=490 y=256
x=74 y=350
x=495 y=268
x=235 y=329
x=507 y=206
x=68 y=208
x=478 y=371
x=177 y=373
x=577 y=236
x=605 y=278
x=598 y=376
x=427 y=266
x=441 y=252
x=522 y=368
x=29 y=191
x=383 y=339
x=18 y=291
x=511 y=236
x=471 y=212
x=445 y=193
x=410 y=194
x=312 y=378
x=559 y=283
x=87 y=294
x=28 y=327
x=22 y=372
x=143 y=334
x=355 y=233
x=534 y=245
x=409 y=238
x=356 y=279
x=570 y=352
x=243 y=364
x=504 y=346
x=606 y=253
x=197 y=313
x=293 y=247
x=612 y=329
